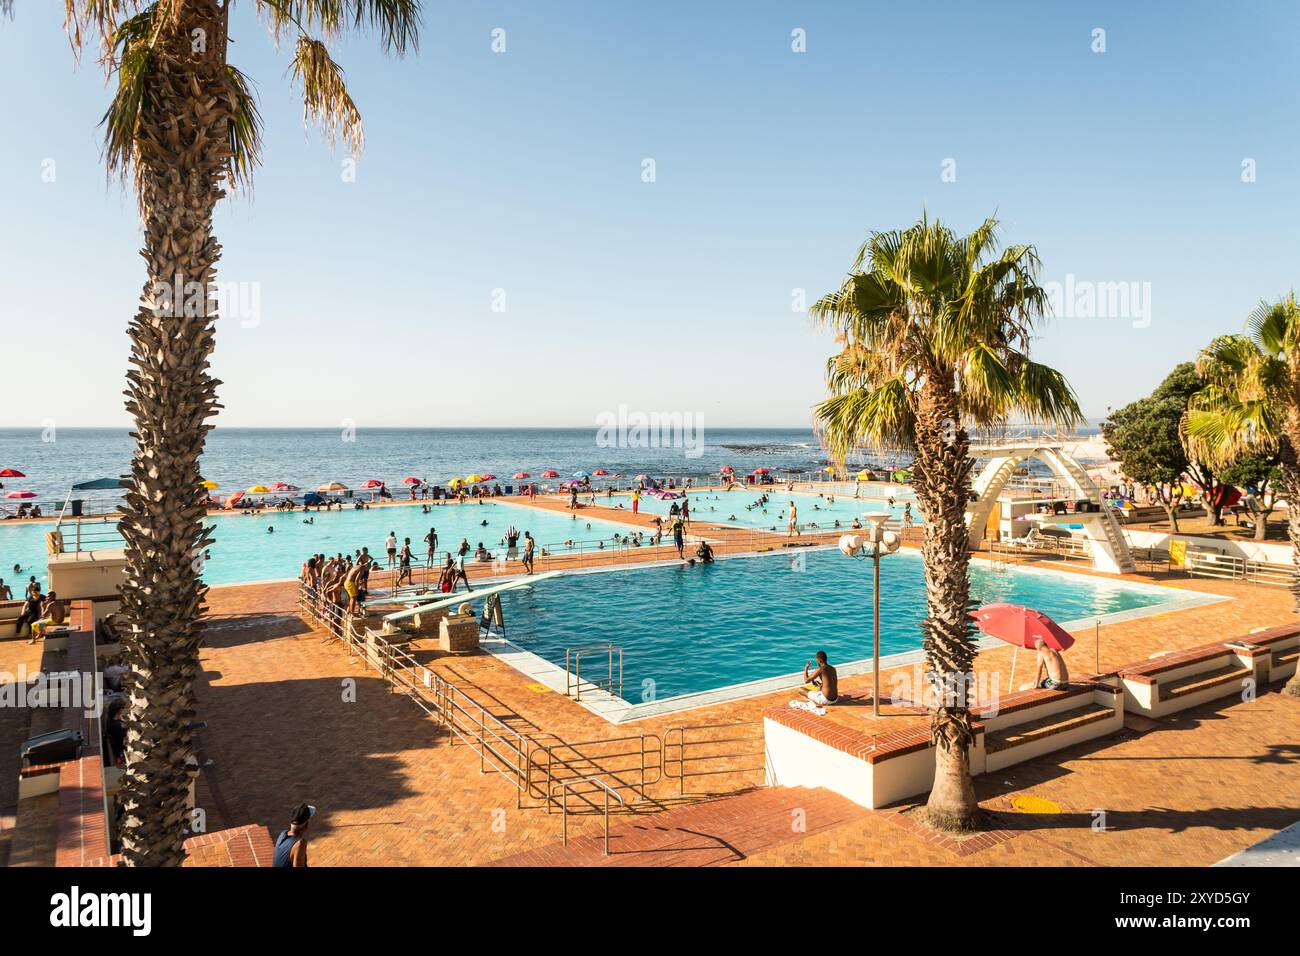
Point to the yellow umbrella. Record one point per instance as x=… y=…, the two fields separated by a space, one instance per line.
x=333 y=486
x=258 y=490
x=474 y=479
x=829 y=471
x=864 y=476
x=455 y=482
x=210 y=485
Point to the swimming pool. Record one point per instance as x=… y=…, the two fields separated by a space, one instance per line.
x=691 y=630
x=815 y=511
x=244 y=551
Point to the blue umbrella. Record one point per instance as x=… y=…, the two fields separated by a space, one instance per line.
x=582 y=474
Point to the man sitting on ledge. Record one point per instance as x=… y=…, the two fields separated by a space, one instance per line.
x=826 y=680
x=1052 y=673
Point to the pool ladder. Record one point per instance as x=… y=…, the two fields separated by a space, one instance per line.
x=574 y=682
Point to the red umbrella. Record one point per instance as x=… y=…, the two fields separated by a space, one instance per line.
x=11 y=473
x=550 y=474
x=1021 y=626
x=600 y=471
x=21 y=494
x=760 y=471
x=726 y=469
x=488 y=477
x=412 y=481
x=522 y=474
x=372 y=483
x=283 y=486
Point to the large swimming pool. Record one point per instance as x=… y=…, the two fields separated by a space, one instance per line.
x=245 y=551
x=686 y=630
x=741 y=508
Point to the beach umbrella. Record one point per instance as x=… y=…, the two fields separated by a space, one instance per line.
x=641 y=478
x=210 y=485
x=259 y=490
x=412 y=481
x=1020 y=626
x=551 y=474
x=372 y=483
x=333 y=486
x=600 y=471
x=582 y=474
x=727 y=470
x=522 y=474
x=472 y=479
x=760 y=471
x=864 y=475
x=11 y=473
x=489 y=477
x=282 y=486
x=20 y=494
x=829 y=470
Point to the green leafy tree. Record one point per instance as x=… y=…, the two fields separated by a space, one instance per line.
x=1145 y=438
x=1258 y=476
x=183 y=124
x=1252 y=406
x=935 y=331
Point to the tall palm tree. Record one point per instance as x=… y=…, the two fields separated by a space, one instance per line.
x=935 y=331
x=184 y=123
x=1251 y=405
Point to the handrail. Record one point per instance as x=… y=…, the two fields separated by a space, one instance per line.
x=573 y=669
x=564 y=803
x=683 y=757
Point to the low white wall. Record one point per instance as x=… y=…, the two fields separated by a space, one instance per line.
x=796 y=760
x=1250 y=550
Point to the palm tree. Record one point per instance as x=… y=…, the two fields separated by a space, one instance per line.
x=935 y=331
x=1251 y=405
x=184 y=122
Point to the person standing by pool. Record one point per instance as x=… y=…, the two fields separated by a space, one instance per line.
x=636 y=500
x=573 y=497
x=391 y=547
x=405 y=560
x=679 y=541
x=907 y=518
x=530 y=547
x=792 y=525
x=431 y=546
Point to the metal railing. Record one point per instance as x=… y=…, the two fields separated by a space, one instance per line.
x=573 y=670
x=632 y=763
x=692 y=750
x=1209 y=564
x=564 y=786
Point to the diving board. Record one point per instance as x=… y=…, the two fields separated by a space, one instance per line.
x=455 y=599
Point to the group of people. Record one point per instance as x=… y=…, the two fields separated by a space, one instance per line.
x=25 y=510
x=39 y=612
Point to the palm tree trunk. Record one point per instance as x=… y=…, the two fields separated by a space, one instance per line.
x=170 y=395
x=941 y=479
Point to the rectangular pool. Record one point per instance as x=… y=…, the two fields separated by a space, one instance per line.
x=244 y=551
x=741 y=508
x=696 y=630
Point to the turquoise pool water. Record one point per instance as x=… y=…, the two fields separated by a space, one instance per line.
x=690 y=629
x=739 y=508
x=244 y=551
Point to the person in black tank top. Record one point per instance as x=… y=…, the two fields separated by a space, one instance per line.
x=291 y=844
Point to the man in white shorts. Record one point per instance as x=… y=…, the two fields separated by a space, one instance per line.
x=827 y=690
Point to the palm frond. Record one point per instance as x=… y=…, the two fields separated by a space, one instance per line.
x=880 y=417
x=396 y=21
x=245 y=129
x=325 y=98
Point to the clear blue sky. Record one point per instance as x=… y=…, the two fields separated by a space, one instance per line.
x=522 y=171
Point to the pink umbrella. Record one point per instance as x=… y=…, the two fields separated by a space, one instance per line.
x=282 y=486
x=760 y=471
x=488 y=477
x=1021 y=626
x=372 y=483
x=550 y=474
x=412 y=481
x=726 y=469
x=522 y=474
x=600 y=471
x=21 y=494
x=11 y=473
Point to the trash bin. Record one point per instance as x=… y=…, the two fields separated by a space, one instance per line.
x=76 y=507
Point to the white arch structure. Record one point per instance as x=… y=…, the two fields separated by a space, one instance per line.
x=1110 y=551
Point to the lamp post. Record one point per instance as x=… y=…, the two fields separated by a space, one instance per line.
x=873 y=542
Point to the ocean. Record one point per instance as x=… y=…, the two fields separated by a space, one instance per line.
x=237 y=458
